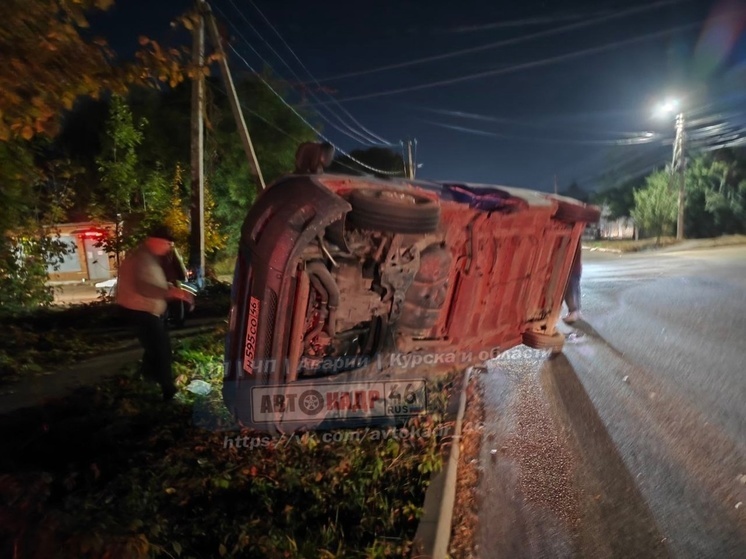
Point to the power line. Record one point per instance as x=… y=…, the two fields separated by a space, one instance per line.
x=737 y=143
x=315 y=81
x=641 y=159
x=637 y=164
x=525 y=65
x=301 y=117
x=645 y=138
x=505 y=42
x=524 y=123
x=633 y=167
x=258 y=115
x=527 y=22
x=357 y=136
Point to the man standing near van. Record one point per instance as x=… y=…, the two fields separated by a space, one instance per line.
x=142 y=294
x=572 y=292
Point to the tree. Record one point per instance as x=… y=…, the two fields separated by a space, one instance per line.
x=619 y=200
x=55 y=66
x=32 y=197
x=176 y=217
x=656 y=205
x=276 y=133
x=716 y=197
x=48 y=64
x=117 y=166
x=50 y=60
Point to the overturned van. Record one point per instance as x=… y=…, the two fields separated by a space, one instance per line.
x=338 y=273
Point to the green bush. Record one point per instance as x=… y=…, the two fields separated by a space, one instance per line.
x=115 y=473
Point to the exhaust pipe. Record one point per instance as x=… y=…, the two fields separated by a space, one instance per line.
x=324 y=283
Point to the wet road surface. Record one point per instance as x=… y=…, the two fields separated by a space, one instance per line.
x=633 y=442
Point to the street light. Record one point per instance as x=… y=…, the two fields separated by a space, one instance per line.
x=678 y=162
x=667 y=107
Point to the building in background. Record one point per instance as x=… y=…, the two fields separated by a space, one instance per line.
x=620 y=228
x=87 y=260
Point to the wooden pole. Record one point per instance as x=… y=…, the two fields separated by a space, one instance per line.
x=197 y=204
x=243 y=131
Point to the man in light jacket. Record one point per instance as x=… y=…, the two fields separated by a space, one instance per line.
x=142 y=294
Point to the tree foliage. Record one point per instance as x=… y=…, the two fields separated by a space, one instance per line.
x=32 y=196
x=48 y=62
x=655 y=205
x=25 y=260
x=276 y=133
x=619 y=199
x=160 y=184
x=716 y=197
x=117 y=165
x=138 y=190
x=176 y=217
x=129 y=155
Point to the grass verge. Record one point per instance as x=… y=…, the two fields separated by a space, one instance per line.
x=113 y=472
x=52 y=338
x=629 y=245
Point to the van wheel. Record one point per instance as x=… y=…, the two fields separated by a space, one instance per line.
x=394 y=211
x=540 y=340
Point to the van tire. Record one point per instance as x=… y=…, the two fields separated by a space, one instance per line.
x=539 y=340
x=394 y=211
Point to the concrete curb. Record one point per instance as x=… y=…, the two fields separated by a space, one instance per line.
x=434 y=530
x=599 y=249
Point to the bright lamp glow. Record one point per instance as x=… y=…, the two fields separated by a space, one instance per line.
x=667 y=107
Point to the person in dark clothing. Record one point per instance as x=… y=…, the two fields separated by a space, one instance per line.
x=312 y=158
x=142 y=294
x=572 y=292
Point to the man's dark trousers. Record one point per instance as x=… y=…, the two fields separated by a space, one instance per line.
x=153 y=336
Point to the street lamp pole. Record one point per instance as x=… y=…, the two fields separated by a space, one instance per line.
x=678 y=169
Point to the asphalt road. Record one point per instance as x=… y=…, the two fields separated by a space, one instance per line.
x=633 y=442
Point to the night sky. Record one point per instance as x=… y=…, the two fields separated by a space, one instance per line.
x=564 y=88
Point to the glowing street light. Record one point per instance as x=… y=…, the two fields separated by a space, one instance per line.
x=668 y=107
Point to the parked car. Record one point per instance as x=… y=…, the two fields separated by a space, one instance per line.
x=336 y=269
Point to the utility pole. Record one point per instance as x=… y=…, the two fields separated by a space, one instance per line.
x=197 y=203
x=243 y=131
x=678 y=170
x=411 y=165
x=414 y=160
